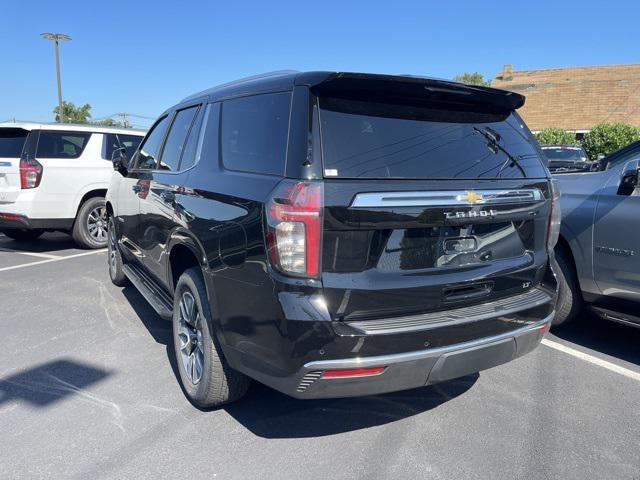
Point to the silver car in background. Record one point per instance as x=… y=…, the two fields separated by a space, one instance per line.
x=599 y=247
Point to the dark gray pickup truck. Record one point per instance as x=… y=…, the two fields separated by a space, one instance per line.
x=599 y=247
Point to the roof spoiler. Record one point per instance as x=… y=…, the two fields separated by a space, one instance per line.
x=410 y=87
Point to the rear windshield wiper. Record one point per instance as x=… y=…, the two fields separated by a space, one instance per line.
x=492 y=137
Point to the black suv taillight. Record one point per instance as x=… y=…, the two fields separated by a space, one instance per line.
x=30 y=173
x=294 y=222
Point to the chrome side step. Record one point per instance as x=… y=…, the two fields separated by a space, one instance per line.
x=153 y=293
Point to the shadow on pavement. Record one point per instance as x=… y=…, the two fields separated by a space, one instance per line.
x=610 y=338
x=50 y=382
x=271 y=414
x=161 y=330
x=47 y=243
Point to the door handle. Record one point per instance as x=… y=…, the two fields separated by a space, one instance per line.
x=168 y=196
x=137 y=188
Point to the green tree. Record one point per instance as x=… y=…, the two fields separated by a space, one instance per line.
x=472 y=78
x=555 y=136
x=609 y=137
x=73 y=114
x=108 y=122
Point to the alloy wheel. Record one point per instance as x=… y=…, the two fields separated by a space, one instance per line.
x=97 y=224
x=113 y=265
x=190 y=337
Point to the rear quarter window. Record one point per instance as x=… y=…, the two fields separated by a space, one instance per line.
x=114 y=141
x=387 y=140
x=254 y=133
x=12 y=141
x=53 y=144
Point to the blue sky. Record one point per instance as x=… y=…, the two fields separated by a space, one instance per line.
x=140 y=57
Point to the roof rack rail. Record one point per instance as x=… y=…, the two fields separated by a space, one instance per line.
x=240 y=81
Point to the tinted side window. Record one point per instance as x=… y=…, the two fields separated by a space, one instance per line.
x=11 y=142
x=61 y=144
x=117 y=140
x=148 y=153
x=254 y=133
x=189 y=154
x=130 y=143
x=176 y=139
x=111 y=144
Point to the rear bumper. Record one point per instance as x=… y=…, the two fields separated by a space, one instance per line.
x=291 y=355
x=417 y=369
x=10 y=221
x=410 y=368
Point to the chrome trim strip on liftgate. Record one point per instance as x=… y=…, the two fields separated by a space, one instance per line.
x=446 y=198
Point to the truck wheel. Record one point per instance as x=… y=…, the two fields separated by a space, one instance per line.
x=116 y=272
x=569 y=301
x=206 y=377
x=90 y=227
x=23 y=235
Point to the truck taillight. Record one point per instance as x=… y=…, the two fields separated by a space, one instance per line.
x=30 y=173
x=294 y=222
x=556 y=216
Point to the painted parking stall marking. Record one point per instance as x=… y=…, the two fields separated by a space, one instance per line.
x=55 y=259
x=33 y=254
x=591 y=359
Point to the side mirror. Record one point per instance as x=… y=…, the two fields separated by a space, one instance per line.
x=629 y=178
x=120 y=161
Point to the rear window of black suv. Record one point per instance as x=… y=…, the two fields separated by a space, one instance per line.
x=390 y=140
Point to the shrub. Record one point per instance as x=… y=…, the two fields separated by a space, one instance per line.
x=555 y=136
x=609 y=137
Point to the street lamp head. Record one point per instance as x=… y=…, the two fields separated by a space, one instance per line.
x=55 y=36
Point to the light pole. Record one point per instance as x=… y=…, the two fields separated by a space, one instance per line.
x=57 y=38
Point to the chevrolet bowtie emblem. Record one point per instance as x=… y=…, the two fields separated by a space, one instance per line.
x=472 y=197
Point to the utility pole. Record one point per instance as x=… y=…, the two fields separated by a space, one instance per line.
x=125 y=120
x=57 y=38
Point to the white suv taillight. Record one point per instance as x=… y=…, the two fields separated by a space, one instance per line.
x=556 y=216
x=30 y=173
x=294 y=221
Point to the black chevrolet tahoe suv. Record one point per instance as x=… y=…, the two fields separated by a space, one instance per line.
x=338 y=234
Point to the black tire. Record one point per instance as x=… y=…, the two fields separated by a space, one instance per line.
x=569 y=301
x=217 y=383
x=114 y=257
x=90 y=226
x=23 y=235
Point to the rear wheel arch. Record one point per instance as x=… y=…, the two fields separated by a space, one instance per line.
x=570 y=298
x=182 y=256
x=564 y=246
x=98 y=192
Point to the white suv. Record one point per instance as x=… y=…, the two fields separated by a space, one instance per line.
x=55 y=177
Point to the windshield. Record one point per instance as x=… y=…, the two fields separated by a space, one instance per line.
x=575 y=154
x=11 y=142
x=363 y=139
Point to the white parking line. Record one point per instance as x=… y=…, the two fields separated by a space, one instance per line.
x=591 y=359
x=49 y=260
x=33 y=254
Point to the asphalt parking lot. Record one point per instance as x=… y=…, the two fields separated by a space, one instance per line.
x=88 y=390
